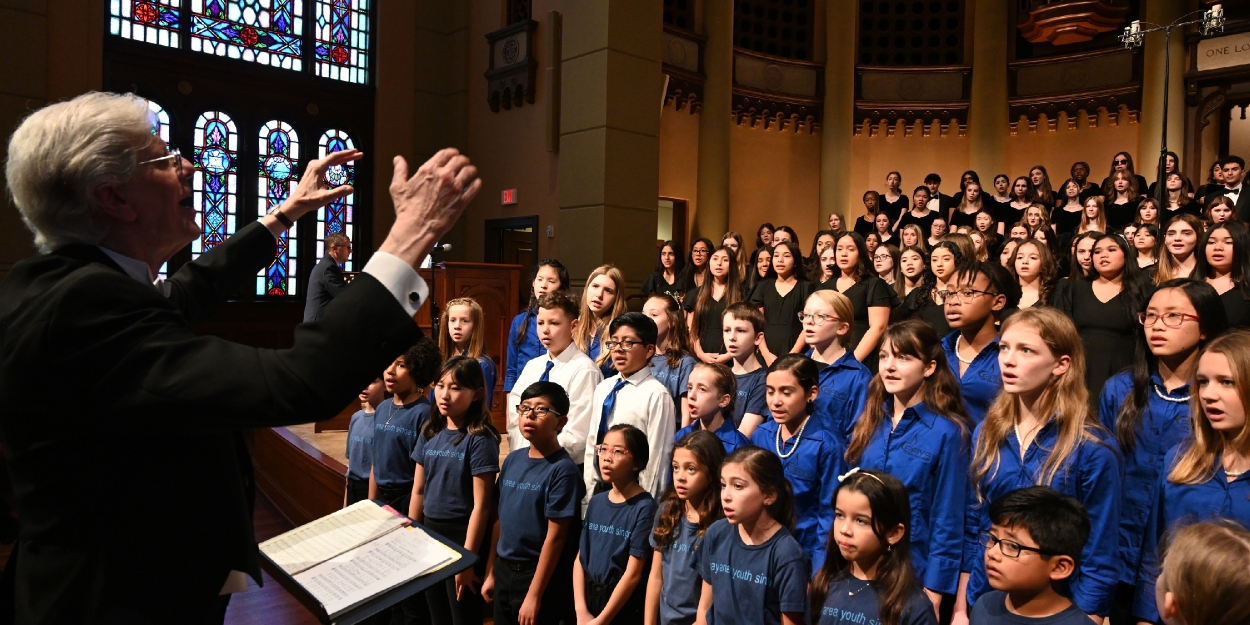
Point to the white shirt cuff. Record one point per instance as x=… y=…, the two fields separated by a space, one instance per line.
x=400 y=279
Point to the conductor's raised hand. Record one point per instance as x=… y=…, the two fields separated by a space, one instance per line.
x=313 y=191
x=428 y=203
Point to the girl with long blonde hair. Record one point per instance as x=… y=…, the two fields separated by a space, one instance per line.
x=603 y=300
x=463 y=333
x=1040 y=431
x=1177 y=257
x=1208 y=476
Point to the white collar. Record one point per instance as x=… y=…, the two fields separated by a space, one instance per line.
x=136 y=269
x=1236 y=189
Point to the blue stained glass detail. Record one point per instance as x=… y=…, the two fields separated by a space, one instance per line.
x=279 y=152
x=214 y=193
x=269 y=32
x=336 y=218
x=342 y=40
x=151 y=21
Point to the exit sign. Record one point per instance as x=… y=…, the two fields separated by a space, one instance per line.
x=508 y=196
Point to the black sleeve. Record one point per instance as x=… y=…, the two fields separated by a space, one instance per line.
x=145 y=361
x=202 y=285
x=334 y=279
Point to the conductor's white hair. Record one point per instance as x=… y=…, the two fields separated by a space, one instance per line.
x=61 y=153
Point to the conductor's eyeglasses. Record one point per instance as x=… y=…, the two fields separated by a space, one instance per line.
x=174 y=153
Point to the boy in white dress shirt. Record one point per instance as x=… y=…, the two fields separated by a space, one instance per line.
x=633 y=396
x=563 y=364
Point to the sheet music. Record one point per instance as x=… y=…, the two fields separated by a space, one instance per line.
x=308 y=545
x=360 y=574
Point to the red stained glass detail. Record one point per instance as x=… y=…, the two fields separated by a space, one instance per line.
x=338 y=55
x=249 y=36
x=145 y=13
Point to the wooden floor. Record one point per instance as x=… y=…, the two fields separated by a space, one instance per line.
x=270 y=604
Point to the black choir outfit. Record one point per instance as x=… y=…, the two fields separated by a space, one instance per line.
x=1009 y=215
x=925 y=223
x=864 y=225
x=893 y=209
x=657 y=284
x=1107 y=331
x=781 y=313
x=1066 y=222
x=1236 y=307
x=918 y=305
x=1120 y=215
x=711 y=339
x=960 y=218
x=868 y=292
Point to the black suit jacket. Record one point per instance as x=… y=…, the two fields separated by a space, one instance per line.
x=1241 y=208
x=325 y=284
x=121 y=426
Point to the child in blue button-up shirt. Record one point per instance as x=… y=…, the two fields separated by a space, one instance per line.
x=1207 y=476
x=827 y=317
x=1148 y=407
x=915 y=429
x=1045 y=435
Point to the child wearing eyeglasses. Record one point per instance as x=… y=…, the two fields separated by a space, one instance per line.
x=614 y=548
x=1032 y=549
x=635 y=397
x=844 y=380
x=530 y=562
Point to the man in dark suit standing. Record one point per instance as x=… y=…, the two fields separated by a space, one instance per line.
x=326 y=281
x=1234 y=176
x=122 y=428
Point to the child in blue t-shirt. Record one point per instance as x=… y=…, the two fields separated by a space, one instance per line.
x=811 y=455
x=868 y=576
x=690 y=504
x=743 y=330
x=612 y=557
x=710 y=403
x=360 y=443
x=754 y=571
x=396 y=423
x=530 y=563
x=1032 y=549
x=457 y=456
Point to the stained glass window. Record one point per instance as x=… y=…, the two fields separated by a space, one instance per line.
x=268 y=32
x=159 y=119
x=214 y=189
x=336 y=217
x=152 y=21
x=277 y=177
x=342 y=47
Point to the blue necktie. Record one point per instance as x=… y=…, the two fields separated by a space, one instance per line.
x=546 y=376
x=608 y=405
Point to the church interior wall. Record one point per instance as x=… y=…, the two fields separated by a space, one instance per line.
x=774 y=176
x=679 y=158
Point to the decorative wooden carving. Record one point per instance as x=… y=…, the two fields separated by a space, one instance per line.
x=510 y=77
x=937 y=97
x=1061 y=22
x=679 y=14
x=1081 y=83
x=777 y=94
x=683 y=64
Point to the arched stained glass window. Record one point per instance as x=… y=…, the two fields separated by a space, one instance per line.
x=152 y=21
x=159 y=119
x=269 y=32
x=214 y=185
x=277 y=176
x=336 y=217
x=342 y=46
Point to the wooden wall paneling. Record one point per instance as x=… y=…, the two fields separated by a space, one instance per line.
x=303 y=483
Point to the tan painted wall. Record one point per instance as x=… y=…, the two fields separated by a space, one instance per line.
x=508 y=147
x=913 y=157
x=774 y=177
x=679 y=158
x=1056 y=150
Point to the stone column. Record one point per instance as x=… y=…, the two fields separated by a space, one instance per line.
x=1146 y=161
x=987 y=119
x=394 y=106
x=837 y=127
x=610 y=135
x=711 y=213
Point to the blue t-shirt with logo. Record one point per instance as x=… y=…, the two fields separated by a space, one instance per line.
x=394 y=437
x=612 y=533
x=751 y=397
x=753 y=584
x=451 y=459
x=992 y=610
x=360 y=445
x=531 y=491
x=682 y=585
x=674 y=379
x=853 y=601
